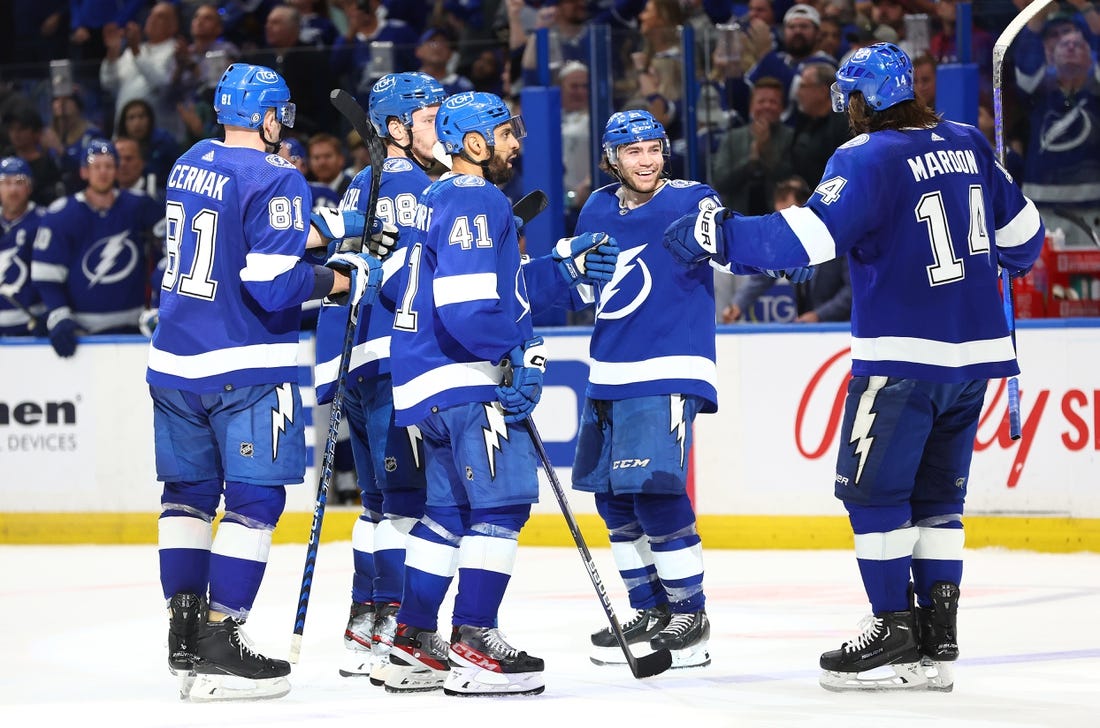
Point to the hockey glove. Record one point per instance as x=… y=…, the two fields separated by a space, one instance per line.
x=365 y=272
x=347 y=225
x=148 y=320
x=528 y=364
x=794 y=275
x=63 y=331
x=697 y=236
x=587 y=258
x=519 y=225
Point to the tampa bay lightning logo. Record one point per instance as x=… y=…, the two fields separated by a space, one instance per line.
x=521 y=295
x=1066 y=132
x=13 y=271
x=110 y=260
x=629 y=287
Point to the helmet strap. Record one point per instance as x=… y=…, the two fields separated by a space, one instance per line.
x=408 y=150
x=271 y=147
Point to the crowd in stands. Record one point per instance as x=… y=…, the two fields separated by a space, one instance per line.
x=142 y=73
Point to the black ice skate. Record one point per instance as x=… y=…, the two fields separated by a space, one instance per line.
x=887 y=640
x=385 y=629
x=482 y=663
x=685 y=636
x=937 y=633
x=417 y=661
x=638 y=630
x=185 y=613
x=227 y=667
x=357 y=639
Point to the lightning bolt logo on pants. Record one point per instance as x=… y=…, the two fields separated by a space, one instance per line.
x=496 y=431
x=677 y=423
x=864 y=419
x=280 y=415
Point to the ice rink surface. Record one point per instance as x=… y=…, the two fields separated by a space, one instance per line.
x=85 y=643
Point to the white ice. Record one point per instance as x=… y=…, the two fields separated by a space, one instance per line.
x=84 y=641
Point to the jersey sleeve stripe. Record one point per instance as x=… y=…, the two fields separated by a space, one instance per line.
x=612 y=373
x=462 y=288
x=221 y=361
x=266 y=266
x=441 y=379
x=932 y=352
x=48 y=272
x=1021 y=228
x=812 y=233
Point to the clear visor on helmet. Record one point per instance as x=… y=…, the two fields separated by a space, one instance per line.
x=840 y=101
x=519 y=129
x=285 y=113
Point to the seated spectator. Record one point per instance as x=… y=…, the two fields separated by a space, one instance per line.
x=825 y=297
x=132 y=174
x=67 y=136
x=158 y=148
x=328 y=179
x=23 y=125
x=436 y=53
x=93 y=253
x=21 y=310
x=316 y=27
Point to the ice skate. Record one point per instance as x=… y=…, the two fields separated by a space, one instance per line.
x=359 y=660
x=417 y=662
x=685 y=636
x=638 y=630
x=936 y=629
x=185 y=613
x=482 y=663
x=884 y=656
x=227 y=667
x=385 y=629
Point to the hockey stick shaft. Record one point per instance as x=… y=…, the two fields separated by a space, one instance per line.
x=345 y=103
x=1000 y=48
x=652 y=664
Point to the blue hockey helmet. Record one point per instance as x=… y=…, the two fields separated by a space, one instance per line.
x=400 y=95
x=627 y=127
x=881 y=72
x=15 y=167
x=98 y=147
x=245 y=92
x=473 y=111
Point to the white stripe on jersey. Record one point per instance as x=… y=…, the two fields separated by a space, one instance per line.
x=469 y=287
x=368 y=351
x=811 y=232
x=1021 y=228
x=221 y=361
x=266 y=266
x=48 y=272
x=441 y=379
x=613 y=373
x=932 y=352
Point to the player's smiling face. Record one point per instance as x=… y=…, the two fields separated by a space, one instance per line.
x=640 y=164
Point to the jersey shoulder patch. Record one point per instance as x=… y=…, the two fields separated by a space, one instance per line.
x=396 y=164
x=682 y=183
x=856 y=141
x=58 y=204
x=276 y=161
x=469 y=180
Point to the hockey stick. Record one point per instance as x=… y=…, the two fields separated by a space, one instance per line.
x=530 y=205
x=646 y=666
x=32 y=319
x=346 y=104
x=1000 y=48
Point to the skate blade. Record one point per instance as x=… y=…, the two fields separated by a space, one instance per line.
x=187 y=680
x=217 y=688
x=470 y=682
x=694 y=656
x=406 y=679
x=358 y=664
x=940 y=675
x=604 y=656
x=903 y=676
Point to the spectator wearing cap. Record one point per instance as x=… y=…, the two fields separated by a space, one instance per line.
x=801 y=24
x=21 y=310
x=436 y=53
x=67 y=135
x=92 y=254
x=23 y=125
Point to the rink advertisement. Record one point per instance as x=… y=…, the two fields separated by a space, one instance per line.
x=75 y=436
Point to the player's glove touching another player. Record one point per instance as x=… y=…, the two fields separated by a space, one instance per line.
x=365 y=274
x=524 y=366
x=794 y=275
x=587 y=258
x=347 y=225
x=697 y=236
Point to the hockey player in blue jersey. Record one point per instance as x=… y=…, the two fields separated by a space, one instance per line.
x=91 y=254
x=925 y=215
x=389 y=460
x=464 y=307
x=21 y=310
x=222 y=374
x=644 y=392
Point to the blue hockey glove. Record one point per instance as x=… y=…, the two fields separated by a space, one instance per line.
x=365 y=272
x=794 y=275
x=698 y=236
x=63 y=331
x=587 y=258
x=528 y=364
x=347 y=225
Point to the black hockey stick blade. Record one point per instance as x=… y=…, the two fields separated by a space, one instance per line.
x=652 y=664
x=530 y=205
